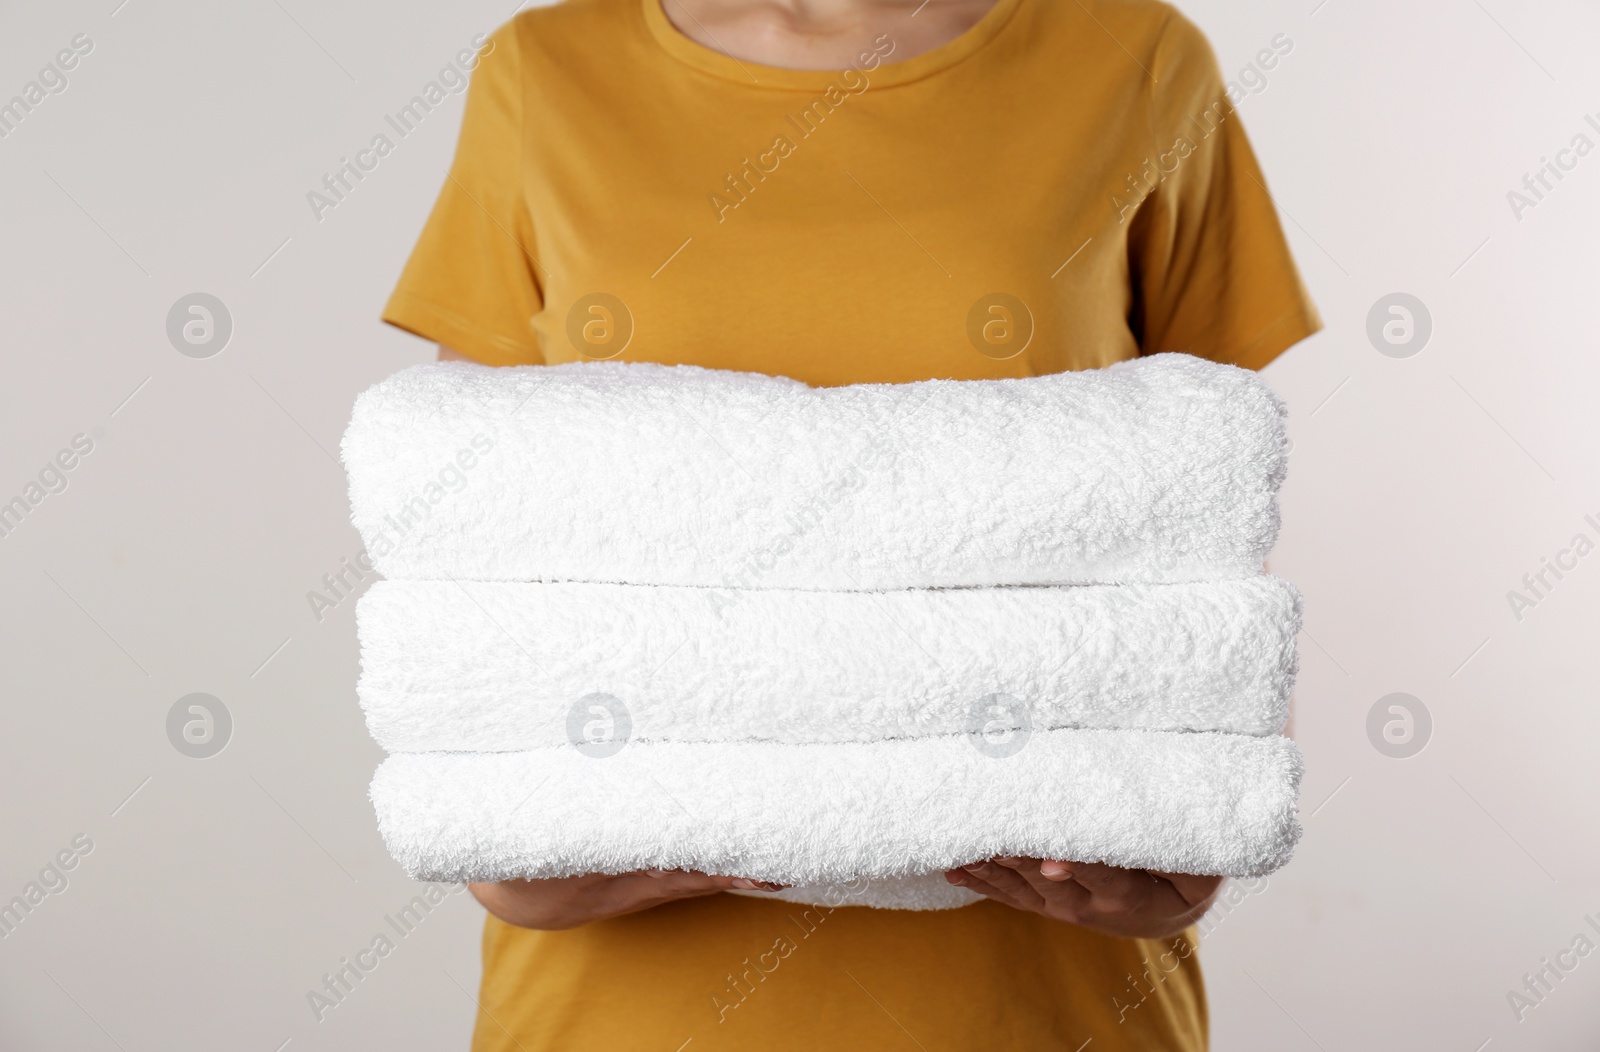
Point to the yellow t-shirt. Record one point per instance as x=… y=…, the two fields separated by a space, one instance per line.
x=1061 y=187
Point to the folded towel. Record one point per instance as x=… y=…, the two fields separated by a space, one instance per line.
x=1159 y=469
x=502 y=666
x=827 y=814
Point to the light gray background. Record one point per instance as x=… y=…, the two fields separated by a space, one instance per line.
x=179 y=558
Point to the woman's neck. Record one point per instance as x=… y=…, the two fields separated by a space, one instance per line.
x=821 y=34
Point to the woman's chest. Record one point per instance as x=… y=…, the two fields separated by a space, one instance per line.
x=835 y=237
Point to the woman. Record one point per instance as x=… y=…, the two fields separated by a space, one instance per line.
x=849 y=191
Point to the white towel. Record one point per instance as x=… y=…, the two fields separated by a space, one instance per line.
x=503 y=666
x=1159 y=469
x=826 y=814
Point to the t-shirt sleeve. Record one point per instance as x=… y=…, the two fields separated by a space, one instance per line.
x=472 y=283
x=1212 y=273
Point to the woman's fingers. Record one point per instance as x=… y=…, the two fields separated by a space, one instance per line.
x=1056 y=870
x=1099 y=878
x=1129 y=891
x=1067 y=898
x=749 y=884
x=1114 y=891
x=1194 y=890
x=1109 y=880
x=1007 y=882
x=1127 y=902
x=1082 y=891
x=970 y=880
x=673 y=880
x=628 y=892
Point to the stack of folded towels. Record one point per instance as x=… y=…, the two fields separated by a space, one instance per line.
x=840 y=639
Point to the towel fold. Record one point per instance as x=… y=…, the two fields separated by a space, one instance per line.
x=503 y=666
x=1160 y=469
x=828 y=814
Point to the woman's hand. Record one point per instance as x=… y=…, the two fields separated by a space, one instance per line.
x=1132 y=903
x=570 y=901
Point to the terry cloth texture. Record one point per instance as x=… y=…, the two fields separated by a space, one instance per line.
x=828 y=814
x=1159 y=469
x=841 y=639
x=504 y=666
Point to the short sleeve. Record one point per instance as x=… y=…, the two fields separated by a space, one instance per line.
x=1212 y=272
x=471 y=282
